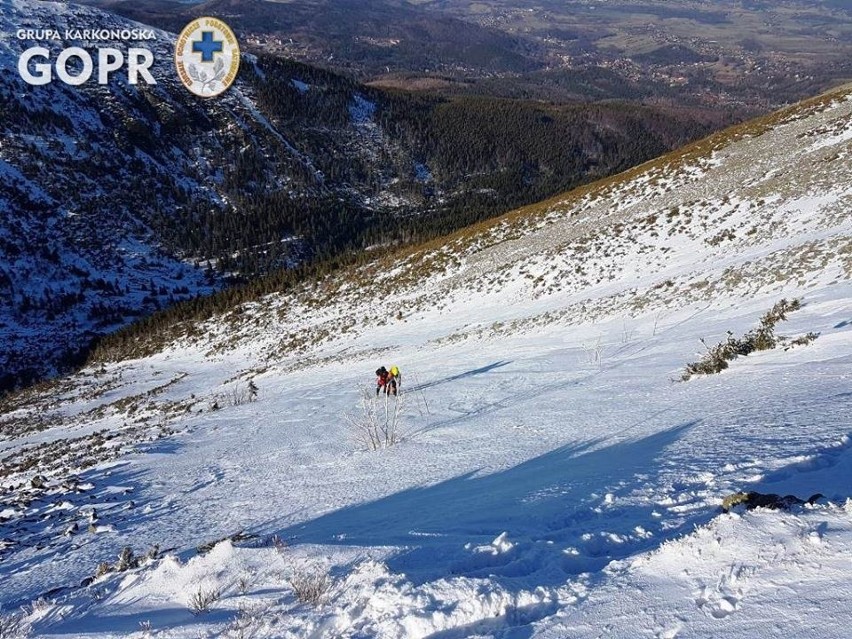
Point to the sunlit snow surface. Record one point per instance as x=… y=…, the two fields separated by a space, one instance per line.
x=554 y=480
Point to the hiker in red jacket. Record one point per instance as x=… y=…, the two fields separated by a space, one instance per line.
x=382 y=377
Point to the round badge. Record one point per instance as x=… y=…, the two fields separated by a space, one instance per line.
x=207 y=56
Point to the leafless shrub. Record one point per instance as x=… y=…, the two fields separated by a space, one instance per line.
x=627 y=333
x=41 y=604
x=279 y=544
x=201 y=600
x=378 y=421
x=656 y=323
x=98 y=593
x=310 y=587
x=416 y=389
x=247 y=619
x=244 y=584
x=594 y=351
x=240 y=394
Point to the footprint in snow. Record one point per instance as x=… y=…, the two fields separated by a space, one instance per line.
x=724 y=599
x=670 y=633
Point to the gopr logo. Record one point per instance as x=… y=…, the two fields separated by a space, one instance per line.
x=207 y=56
x=36 y=69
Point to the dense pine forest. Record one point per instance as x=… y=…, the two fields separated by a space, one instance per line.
x=416 y=166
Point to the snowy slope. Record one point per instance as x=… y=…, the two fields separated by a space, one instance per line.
x=553 y=479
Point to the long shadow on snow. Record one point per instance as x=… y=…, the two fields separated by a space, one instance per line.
x=516 y=623
x=130 y=624
x=553 y=509
x=539 y=390
x=459 y=376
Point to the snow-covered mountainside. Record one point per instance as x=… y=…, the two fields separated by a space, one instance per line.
x=554 y=477
x=116 y=200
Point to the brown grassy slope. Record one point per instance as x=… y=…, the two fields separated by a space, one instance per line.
x=415 y=265
x=435 y=254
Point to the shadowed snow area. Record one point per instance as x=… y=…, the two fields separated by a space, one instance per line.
x=553 y=479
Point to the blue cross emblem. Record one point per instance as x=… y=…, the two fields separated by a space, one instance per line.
x=207 y=46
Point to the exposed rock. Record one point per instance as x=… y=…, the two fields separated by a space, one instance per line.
x=751 y=500
x=235 y=538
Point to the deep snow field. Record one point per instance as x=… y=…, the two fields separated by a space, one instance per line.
x=536 y=493
x=554 y=479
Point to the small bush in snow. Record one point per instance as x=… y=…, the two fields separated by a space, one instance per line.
x=762 y=338
x=246 y=622
x=244 y=584
x=627 y=333
x=239 y=394
x=804 y=340
x=98 y=593
x=279 y=544
x=13 y=626
x=594 y=352
x=41 y=604
x=310 y=587
x=716 y=358
x=126 y=560
x=201 y=600
x=378 y=422
x=778 y=313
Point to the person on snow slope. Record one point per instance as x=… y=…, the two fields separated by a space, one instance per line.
x=388 y=381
